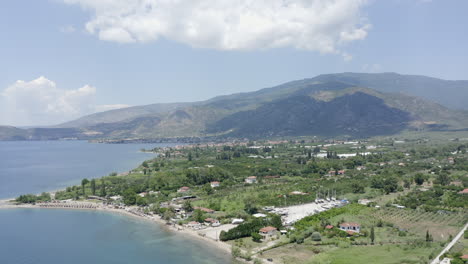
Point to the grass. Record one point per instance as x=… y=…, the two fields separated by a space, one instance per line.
x=387 y=254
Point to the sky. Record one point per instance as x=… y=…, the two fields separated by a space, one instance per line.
x=62 y=59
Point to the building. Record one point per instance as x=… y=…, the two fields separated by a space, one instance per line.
x=268 y=232
x=183 y=189
x=465 y=191
x=251 y=179
x=329 y=227
x=341 y=172
x=194 y=225
x=237 y=221
x=353 y=227
x=214 y=184
x=364 y=201
x=203 y=209
x=212 y=221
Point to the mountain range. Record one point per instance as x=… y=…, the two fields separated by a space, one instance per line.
x=344 y=104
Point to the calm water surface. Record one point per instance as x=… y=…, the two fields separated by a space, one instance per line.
x=41 y=236
x=37 y=166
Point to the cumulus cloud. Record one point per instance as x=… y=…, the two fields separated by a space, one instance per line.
x=41 y=102
x=316 y=25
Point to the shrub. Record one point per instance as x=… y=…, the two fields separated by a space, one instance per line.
x=316 y=236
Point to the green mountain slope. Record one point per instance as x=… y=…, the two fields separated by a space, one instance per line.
x=335 y=104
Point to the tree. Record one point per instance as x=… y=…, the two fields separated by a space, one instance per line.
x=190 y=158
x=83 y=183
x=129 y=196
x=443 y=178
x=188 y=206
x=208 y=189
x=103 y=189
x=428 y=237
x=419 y=178
x=93 y=186
x=316 y=236
x=256 y=237
x=372 y=235
x=198 y=215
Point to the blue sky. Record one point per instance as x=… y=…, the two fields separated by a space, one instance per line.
x=93 y=56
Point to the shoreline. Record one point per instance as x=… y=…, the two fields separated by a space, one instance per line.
x=222 y=246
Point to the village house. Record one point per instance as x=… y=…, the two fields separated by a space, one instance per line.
x=268 y=232
x=214 y=184
x=297 y=193
x=465 y=191
x=359 y=168
x=211 y=221
x=206 y=210
x=353 y=227
x=251 y=179
x=364 y=201
x=237 y=221
x=183 y=189
x=194 y=225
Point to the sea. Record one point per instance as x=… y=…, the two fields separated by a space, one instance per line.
x=53 y=236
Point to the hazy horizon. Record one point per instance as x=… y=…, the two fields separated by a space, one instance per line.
x=69 y=58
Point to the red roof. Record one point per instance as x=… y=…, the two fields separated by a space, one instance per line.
x=268 y=229
x=215 y=182
x=350 y=224
x=465 y=191
x=464 y=257
x=252 y=177
x=329 y=227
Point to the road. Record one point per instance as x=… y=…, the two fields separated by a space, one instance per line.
x=450 y=245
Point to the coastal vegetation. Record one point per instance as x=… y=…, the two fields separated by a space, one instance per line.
x=406 y=196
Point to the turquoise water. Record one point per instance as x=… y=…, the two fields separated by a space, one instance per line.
x=41 y=236
x=48 y=236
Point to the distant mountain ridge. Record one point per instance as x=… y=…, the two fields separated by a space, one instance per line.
x=350 y=104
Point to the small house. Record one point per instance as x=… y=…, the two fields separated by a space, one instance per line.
x=183 y=189
x=203 y=209
x=214 y=184
x=237 y=221
x=465 y=191
x=251 y=179
x=268 y=232
x=364 y=201
x=212 y=221
x=194 y=225
x=353 y=227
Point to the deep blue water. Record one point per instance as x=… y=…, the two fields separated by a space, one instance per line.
x=48 y=236
x=37 y=166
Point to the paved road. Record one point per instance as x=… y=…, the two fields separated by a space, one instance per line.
x=450 y=245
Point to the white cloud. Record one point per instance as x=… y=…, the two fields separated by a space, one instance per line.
x=316 y=25
x=41 y=102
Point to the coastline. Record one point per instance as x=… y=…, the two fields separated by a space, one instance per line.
x=226 y=248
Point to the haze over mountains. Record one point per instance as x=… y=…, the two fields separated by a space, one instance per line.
x=344 y=104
